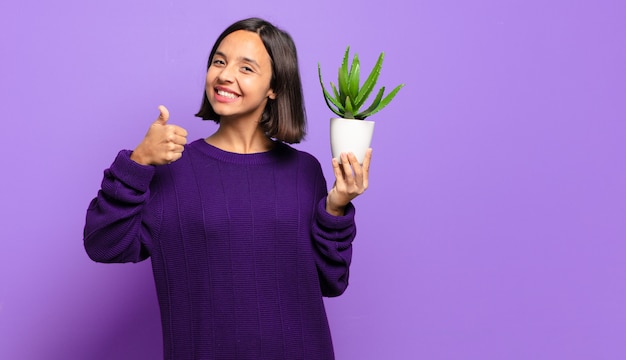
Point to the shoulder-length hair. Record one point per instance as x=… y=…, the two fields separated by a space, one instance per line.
x=284 y=118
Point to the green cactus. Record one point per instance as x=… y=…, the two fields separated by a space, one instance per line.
x=348 y=96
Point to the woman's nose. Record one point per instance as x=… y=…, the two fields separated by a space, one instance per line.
x=226 y=74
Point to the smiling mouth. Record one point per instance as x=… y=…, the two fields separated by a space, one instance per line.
x=227 y=94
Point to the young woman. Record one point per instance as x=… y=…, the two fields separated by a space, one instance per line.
x=243 y=236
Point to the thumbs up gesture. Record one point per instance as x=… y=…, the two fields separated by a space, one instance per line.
x=163 y=143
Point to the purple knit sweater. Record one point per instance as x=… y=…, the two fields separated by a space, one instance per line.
x=241 y=246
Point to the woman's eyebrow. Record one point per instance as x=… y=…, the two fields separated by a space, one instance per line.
x=251 y=61
x=246 y=59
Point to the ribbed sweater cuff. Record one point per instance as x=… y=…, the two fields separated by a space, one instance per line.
x=132 y=174
x=335 y=222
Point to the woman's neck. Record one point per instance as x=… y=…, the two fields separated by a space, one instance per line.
x=238 y=138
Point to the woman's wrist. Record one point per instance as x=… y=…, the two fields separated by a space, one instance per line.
x=137 y=157
x=334 y=210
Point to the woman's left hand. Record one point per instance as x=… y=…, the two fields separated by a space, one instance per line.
x=351 y=180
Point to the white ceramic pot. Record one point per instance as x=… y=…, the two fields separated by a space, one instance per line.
x=350 y=135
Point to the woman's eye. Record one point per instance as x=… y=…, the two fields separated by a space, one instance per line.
x=218 y=62
x=247 y=69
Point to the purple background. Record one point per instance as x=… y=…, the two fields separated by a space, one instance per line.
x=495 y=225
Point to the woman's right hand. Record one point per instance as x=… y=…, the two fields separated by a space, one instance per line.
x=163 y=143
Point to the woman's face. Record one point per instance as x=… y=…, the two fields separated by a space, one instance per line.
x=238 y=78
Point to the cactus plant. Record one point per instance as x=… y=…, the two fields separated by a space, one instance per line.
x=348 y=97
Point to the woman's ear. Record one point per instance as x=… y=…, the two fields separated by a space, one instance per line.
x=271 y=94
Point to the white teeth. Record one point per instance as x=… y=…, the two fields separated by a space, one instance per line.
x=226 y=94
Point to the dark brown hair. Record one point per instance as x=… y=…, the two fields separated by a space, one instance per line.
x=284 y=118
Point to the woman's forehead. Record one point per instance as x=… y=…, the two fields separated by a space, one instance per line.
x=243 y=44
